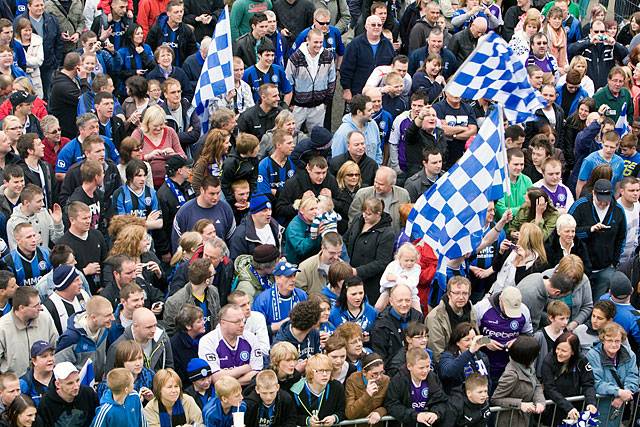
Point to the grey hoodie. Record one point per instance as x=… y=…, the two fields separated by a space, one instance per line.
x=42 y=222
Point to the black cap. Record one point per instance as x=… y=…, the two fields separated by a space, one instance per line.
x=603 y=190
x=176 y=162
x=21 y=97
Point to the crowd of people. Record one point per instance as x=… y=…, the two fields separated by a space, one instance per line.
x=259 y=273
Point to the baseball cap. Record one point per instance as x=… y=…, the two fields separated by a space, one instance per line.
x=176 y=162
x=511 y=299
x=39 y=347
x=258 y=203
x=602 y=189
x=620 y=285
x=63 y=369
x=21 y=97
x=283 y=268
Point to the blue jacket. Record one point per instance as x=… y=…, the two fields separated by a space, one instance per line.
x=626 y=316
x=76 y=347
x=371 y=138
x=213 y=416
x=574 y=105
x=145 y=379
x=112 y=413
x=19 y=57
x=51 y=41
x=359 y=62
x=111 y=64
x=32 y=388
x=585 y=144
x=309 y=346
x=606 y=384
x=265 y=304
x=365 y=319
x=72 y=153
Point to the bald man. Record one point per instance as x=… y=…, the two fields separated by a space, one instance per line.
x=463 y=42
x=86 y=336
x=153 y=339
x=387 y=337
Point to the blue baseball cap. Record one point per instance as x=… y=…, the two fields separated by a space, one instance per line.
x=283 y=268
x=39 y=347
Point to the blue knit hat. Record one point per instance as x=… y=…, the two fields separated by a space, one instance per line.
x=198 y=369
x=63 y=276
x=258 y=203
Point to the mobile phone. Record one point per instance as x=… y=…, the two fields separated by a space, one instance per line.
x=157 y=305
x=484 y=341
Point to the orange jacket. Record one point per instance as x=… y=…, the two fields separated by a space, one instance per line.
x=148 y=12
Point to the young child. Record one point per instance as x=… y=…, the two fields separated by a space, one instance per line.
x=629 y=154
x=416 y=396
x=327 y=217
x=267 y=405
x=392 y=99
x=518 y=388
x=429 y=79
x=218 y=412
x=120 y=405
x=405 y=269
x=200 y=375
x=326 y=328
x=241 y=163
x=471 y=406
x=558 y=313
x=415 y=336
x=154 y=90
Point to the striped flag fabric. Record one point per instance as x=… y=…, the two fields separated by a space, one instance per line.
x=622 y=124
x=492 y=71
x=216 y=77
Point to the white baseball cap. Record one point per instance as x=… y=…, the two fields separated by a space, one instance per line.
x=63 y=369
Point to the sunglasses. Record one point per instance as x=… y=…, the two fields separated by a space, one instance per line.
x=352 y=175
x=323 y=22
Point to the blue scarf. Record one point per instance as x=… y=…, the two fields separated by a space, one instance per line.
x=264 y=281
x=176 y=192
x=177 y=416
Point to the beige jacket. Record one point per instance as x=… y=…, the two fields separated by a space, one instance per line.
x=440 y=328
x=400 y=196
x=310 y=279
x=191 y=411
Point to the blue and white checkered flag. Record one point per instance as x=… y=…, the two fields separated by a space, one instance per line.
x=216 y=77
x=87 y=374
x=622 y=124
x=493 y=72
x=455 y=207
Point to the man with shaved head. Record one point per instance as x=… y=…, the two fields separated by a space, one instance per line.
x=463 y=42
x=153 y=339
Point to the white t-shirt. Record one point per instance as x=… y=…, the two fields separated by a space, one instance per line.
x=633 y=226
x=265 y=235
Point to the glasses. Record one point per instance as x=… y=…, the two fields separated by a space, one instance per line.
x=541 y=43
x=610 y=341
x=599 y=31
x=322 y=371
x=323 y=22
x=375 y=25
x=54 y=131
x=459 y=294
x=36 y=305
x=353 y=175
x=237 y=322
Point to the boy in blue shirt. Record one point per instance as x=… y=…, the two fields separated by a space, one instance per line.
x=222 y=409
x=136 y=198
x=265 y=71
x=630 y=155
x=120 y=405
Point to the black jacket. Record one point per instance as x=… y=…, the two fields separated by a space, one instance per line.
x=195 y=8
x=368 y=167
x=387 y=336
x=283 y=409
x=73 y=179
x=177 y=73
x=118 y=130
x=606 y=246
x=294 y=16
x=295 y=187
x=631 y=269
x=554 y=251
x=511 y=19
x=398 y=400
x=112 y=293
x=169 y=207
x=532 y=128
x=244 y=239
x=464 y=413
x=63 y=103
x=184 y=349
x=31 y=177
x=600 y=58
x=417 y=184
x=370 y=252
x=332 y=404
x=184 y=44
x=245 y=48
x=53 y=411
x=192 y=67
x=416 y=140
x=559 y=385
x=236 y=168
x=187 y=137
x=462 y=44
x=256 y=122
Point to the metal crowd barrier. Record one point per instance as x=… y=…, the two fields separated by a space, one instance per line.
x=629 y=418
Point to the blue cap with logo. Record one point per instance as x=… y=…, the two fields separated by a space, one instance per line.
x=284 y=268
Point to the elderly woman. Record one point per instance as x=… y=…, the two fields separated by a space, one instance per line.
x=159 y=142
x=566 y=373
x=215 y=149
x=537 y=209
x=365 y=391
x=603 y=312
x=164 y=69
x=31 y=44
x=462 y=356
x=336 y=348
x=299 y=244
x=369 y=241
x=284 y=121
x=131 y=148
x=319 y=399
x=562 y=241
x=615 y=372
x=170 y=402
x=53 y=140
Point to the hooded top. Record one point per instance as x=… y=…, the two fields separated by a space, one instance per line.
x=309 y=346
x=56 y=412
x=112 y=413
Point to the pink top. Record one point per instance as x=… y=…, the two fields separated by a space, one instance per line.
x=158 y=162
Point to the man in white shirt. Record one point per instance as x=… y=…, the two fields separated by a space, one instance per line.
x=629 y=194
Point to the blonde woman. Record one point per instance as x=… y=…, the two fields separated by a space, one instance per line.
x=283 y=359
x=521 y=40
x=349 y=179
x=284 y=121
x=216 y=147
x=31 y=43
x=187 y=246
x=170 y=407
x=299 y=244
x=557 y=37
x=159 y=142
x=515 y=261
x=579 y=63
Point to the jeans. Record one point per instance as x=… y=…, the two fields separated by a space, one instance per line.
x=600 y=282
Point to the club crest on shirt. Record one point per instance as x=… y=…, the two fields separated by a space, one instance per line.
x=514 y=325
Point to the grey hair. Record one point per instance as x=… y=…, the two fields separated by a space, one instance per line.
x=218 y=243
x=390 y=173
x=48 y=122
x=565 y=220
x=82 y=120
